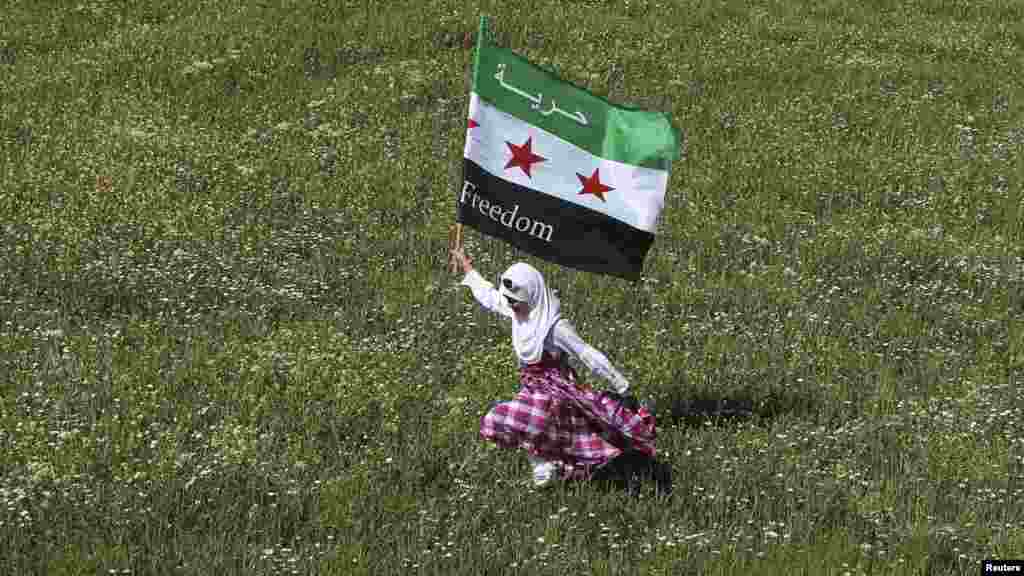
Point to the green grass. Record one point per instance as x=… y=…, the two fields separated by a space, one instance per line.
x=229 y=342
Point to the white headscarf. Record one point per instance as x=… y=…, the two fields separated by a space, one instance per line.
x=528 y=286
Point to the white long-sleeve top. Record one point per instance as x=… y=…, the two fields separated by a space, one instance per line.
x=562 y=337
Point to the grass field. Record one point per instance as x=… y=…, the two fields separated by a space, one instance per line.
x=229 y=343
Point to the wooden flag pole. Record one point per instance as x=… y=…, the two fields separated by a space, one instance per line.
x=451 y=246
x=454 y=243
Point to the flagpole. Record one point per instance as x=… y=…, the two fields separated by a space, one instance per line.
x=454 y=243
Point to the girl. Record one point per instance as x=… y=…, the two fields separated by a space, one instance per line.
x=567 y=429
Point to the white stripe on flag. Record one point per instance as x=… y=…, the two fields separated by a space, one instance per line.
x=638 y=195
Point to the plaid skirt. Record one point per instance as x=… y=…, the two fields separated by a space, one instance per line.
x=558 y=419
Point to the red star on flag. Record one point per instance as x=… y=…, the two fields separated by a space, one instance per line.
x=473 y=123
x=593 y=185
x=522 y=156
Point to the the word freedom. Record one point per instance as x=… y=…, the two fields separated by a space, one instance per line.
x=507 y=218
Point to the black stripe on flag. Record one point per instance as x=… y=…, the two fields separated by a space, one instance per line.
x=548 y=227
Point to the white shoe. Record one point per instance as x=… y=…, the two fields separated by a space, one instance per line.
x=543 y=472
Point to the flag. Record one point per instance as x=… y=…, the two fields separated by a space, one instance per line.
x=559 y=172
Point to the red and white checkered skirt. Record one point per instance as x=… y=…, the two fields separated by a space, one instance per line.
x=558 y=419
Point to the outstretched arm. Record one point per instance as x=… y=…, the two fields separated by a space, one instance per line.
x=567 y=339
x=483 y=290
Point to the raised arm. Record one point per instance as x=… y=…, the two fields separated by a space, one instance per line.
x=485 y=294
x=483 y=290
x=567 y=339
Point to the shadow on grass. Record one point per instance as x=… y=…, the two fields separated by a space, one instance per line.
x=631 y=472
x=705 y=409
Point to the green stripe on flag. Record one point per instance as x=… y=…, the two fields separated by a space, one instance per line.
x=623 y=134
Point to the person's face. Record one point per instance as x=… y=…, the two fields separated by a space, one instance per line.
x=520 y=308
